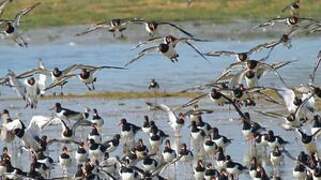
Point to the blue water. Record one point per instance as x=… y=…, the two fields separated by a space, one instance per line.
x=190 y=71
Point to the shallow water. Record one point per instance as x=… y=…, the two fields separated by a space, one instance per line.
x=134 y=110
x=190 y=71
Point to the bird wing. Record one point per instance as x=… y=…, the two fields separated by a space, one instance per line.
x=221 y=53
x=3 y=5
x=195 y=100
x=143 y=53
x=60 y=82
x=94 y=28
x=155 y=40
x=17 y=85
x=287 y=7
x=198 y=112
x=288 y=97
x=281 y=64
x=175 y=26
x=15 y=124
x=316 y=67
x=38 y=123
x=270 y=114
x=271 y=22
x=196 y=49
x=237 y=78
x=95 y=68
x=69 y=69
x=257 y=48
x=24 y=12
x=303 y=104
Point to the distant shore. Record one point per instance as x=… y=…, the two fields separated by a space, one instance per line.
x=53 y=13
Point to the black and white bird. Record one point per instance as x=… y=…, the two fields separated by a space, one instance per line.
x=28 y=135
x=170 y=39
x=65 y=160
x=174 y=121
x=153 y=26
x=87 y=74
x=184 y=154
x=113 y=26
x=240 y=56
x=168 y=153
x=11 y=29
x=81 y=154
x=97 y=119
x=308 y=141
x=128 y=130
x=220 y=140
x=199 y=170
x=234 y=168
x=67 y=114
x=167 y=50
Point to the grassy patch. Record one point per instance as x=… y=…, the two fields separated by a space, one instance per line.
x=71 y=12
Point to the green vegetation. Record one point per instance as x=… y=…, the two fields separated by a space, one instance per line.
x=71 y=12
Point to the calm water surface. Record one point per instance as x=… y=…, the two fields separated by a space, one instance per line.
x=190 y=71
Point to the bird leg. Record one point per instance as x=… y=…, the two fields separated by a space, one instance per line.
x=88 y=86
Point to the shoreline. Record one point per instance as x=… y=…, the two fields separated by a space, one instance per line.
x=237 y=31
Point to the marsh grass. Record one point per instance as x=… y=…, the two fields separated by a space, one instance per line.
x=72 y=12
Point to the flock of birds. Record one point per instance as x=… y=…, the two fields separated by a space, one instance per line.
x=128 y=157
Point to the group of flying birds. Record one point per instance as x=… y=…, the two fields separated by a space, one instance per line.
x=239 y=85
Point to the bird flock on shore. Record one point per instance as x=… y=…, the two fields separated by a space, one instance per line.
x=147 y=151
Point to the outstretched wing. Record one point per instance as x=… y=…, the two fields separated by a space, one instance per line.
x=15 y=124
x=271 y=22
x=24 y=12
x=3 y=5
x=196 y=49
x=316 y=67
x=143 y=53
x=94 y=28
x=95 y=68
x=221 y=53
x=155 y=40
x=175 y=26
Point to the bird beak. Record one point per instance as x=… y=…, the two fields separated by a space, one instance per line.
x=52 y=108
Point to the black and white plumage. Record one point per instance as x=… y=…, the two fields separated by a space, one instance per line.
x=240 y=56
x=67 y=114
x=65 y=160
x=153 y=26
x=184 y=154
x=128 y=130
x=97 y=119
x=234 y=168
x=28 y=135
x=167 y=50
x=12 y=27
x=168 y=153
x=291 y=21
x=87 y=73
x=293 y=7
x=174 y=121
x=308 y=141
x=169 y=39
x=220 y=140
x=81 y=154
x=199 y=170
x=113 y=26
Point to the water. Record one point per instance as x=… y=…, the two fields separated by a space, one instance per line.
x=190 y=71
